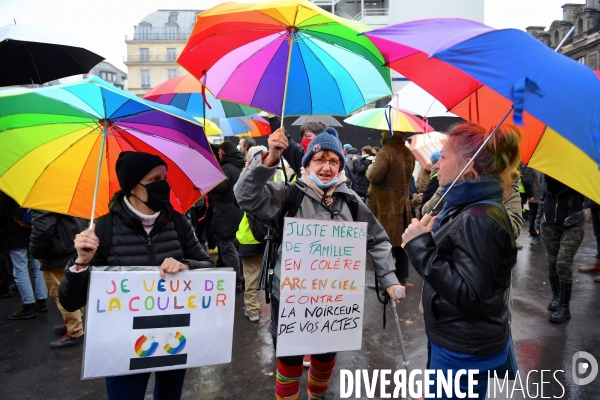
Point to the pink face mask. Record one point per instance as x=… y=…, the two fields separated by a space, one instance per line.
x=305 y=142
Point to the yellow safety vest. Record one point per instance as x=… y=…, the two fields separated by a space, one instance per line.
x=244 y=234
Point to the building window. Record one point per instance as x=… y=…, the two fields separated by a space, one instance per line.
x=556 y=38
x=171 y=73
x=171 y=55
x=145 y=78
x=144 y=33
x=580 y=26
x=144 y=55
x=592 y=61
x=108 y=76
x=581 y=60
x=173 y=17
x=171 y=32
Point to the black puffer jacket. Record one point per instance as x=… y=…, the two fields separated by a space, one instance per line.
x=360 y=169
x=52 y=238
x=466 y=267
x=132 y=246
x=227 y=215
x=17 y=237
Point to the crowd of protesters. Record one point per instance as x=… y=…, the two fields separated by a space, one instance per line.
x=464 y=255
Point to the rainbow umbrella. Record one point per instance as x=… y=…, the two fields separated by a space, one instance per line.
x=483 y=75
x=402 y=121
x=252 y=125
x=287 y=57
x=187 y=93
x=60 y=145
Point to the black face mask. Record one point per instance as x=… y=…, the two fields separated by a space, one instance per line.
x=159 y=194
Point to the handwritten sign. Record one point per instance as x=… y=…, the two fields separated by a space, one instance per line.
x=322 y=286
x=137 y=322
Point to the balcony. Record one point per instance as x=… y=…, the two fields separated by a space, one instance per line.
x=162 y=36
x=374 y=17
x=137 y=58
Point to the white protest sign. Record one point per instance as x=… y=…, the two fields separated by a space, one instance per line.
x=137 y=322
x=322 y=286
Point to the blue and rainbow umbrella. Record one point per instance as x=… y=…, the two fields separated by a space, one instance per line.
x=481 y=74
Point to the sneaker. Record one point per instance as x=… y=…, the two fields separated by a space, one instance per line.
x=536 y=239
x=306 y=361
x=23 y=311
x=66 y=341
x=40 y=305
x=252 y=318
x=60 y=329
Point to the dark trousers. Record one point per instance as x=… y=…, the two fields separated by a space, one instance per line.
x=401 y=262
x=4 y=277
x=167 y=385
x=533 y=210
x=229 y=258
x=596 y=224
x=562 y=244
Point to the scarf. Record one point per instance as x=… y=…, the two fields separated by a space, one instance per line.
x=468 y=192
x=147 y=220
x=325 y=196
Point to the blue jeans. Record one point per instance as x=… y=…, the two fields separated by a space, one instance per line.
x=21 y=274
x=444 y=360
x=167 y=385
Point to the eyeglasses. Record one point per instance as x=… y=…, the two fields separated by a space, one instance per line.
x=321 y=161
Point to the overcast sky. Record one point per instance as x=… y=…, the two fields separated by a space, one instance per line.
x=102 y=25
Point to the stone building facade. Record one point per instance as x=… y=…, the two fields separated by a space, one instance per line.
x=157 y=42
x=584 y=44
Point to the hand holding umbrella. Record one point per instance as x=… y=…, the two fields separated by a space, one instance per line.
x=86 y=244
x=277 y=142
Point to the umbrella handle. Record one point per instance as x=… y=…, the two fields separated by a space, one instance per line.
x=398 y=293
x=424 y=221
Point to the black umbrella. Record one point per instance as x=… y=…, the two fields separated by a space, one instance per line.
x=40 y=54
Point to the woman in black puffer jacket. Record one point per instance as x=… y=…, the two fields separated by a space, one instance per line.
x=144 y=233
x=360 y=169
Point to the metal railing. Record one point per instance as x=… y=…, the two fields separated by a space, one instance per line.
x=159 y=36
x=373 y=12
x=136 y=58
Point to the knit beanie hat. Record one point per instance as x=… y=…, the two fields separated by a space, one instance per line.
x=132 y=166
x=328 y=140
x=435 y=156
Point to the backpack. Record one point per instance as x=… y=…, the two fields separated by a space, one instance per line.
x=260 y=228
x=22 y=216
x=104 y=232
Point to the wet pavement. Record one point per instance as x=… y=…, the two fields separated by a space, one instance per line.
x=29 y=369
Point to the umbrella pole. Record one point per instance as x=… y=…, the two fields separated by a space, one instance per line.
x=427 y=217
x=287 y=73
x=98 y=175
